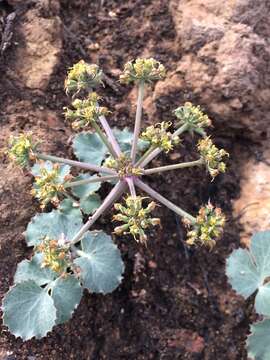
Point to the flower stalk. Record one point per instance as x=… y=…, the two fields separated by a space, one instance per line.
x=138 y=121
x=183 y=165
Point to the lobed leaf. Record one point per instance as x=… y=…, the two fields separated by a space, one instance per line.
x=66 y=294
x=28 y=310
x=125 y=138
x=83 y=191
x=258 y=343
x=248 y=271
x=89 y=148
x=53 y=225
x=69 y=207
x=64 y=170
x=32 y=270
x=90 y=204
x=100 y=263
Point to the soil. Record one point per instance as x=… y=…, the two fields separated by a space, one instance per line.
x=174 y=302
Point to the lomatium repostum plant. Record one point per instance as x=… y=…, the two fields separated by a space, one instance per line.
x=68 y=254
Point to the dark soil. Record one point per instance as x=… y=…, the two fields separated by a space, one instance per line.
x=174 y=302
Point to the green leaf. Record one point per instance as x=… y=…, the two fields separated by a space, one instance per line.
x=83 y=191
x=53 y=225
x=100 y=263
x=68 y=207
x=125 y=137
x=66 y=293
x=90 y=204
x=248 y=271
x=28 y=311
x=31 y=270
x=89 y=148
x=258 y=343
x=64 y=170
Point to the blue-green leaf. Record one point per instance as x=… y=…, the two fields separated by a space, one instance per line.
x=66 y=293
x=258 y=343
x=69 y=207
x=63 y=171
x=248 y=271
x=125 y=138
x=100 y=263
x=28 y=310
x=90 y=204
x=89 y=148
x=83 y=191
x=32 y=270
x=53 y=225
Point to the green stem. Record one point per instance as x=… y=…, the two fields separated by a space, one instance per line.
x=79 y=164
x=164 y=201
x=173 y=167
x=138 y=121
x=91 y=180
x=115 y=193
x=104 y=139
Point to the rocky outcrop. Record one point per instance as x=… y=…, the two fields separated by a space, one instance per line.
x=41 y=35
x=225 y=61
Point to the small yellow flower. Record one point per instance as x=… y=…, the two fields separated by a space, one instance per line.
x=212 y=156
x=135 y=217
x=207 y=228
x=193 y=117
x=49 y=183
x=21 y=149
x=147 y=70
x=158 y=136
x=123 y=166
x=55 y=255
x=85 y=111
x=83 y=76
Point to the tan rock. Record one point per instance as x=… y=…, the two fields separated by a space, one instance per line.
x=225 y=62
x=253 y=206
x=38 y=58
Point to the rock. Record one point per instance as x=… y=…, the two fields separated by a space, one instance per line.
x=253 y=206
x=225 y=62
x=191 y=341
x=43 y=43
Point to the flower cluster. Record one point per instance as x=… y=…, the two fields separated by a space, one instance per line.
x=123 y=166
x=49 y=183
x=146 y=70
x=158 y=136
x=85 y=111
x=135 y=217
x=56 y=255
x=83 y=76
x=21 y=149
x=207 y=228
x=192 y=116
x=212 y=156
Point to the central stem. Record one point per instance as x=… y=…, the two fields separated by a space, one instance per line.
x=138 y=120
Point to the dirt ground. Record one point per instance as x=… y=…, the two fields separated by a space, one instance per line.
x=174 y=302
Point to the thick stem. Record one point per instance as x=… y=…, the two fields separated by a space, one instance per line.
x=164 y=201
x=115 y=193
x=110 y=135
x=131 y=186
x=173 y=167
x=91 y=180
x=104 y=140
x=138 y=121
x=79 y=164
x=156 y=151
